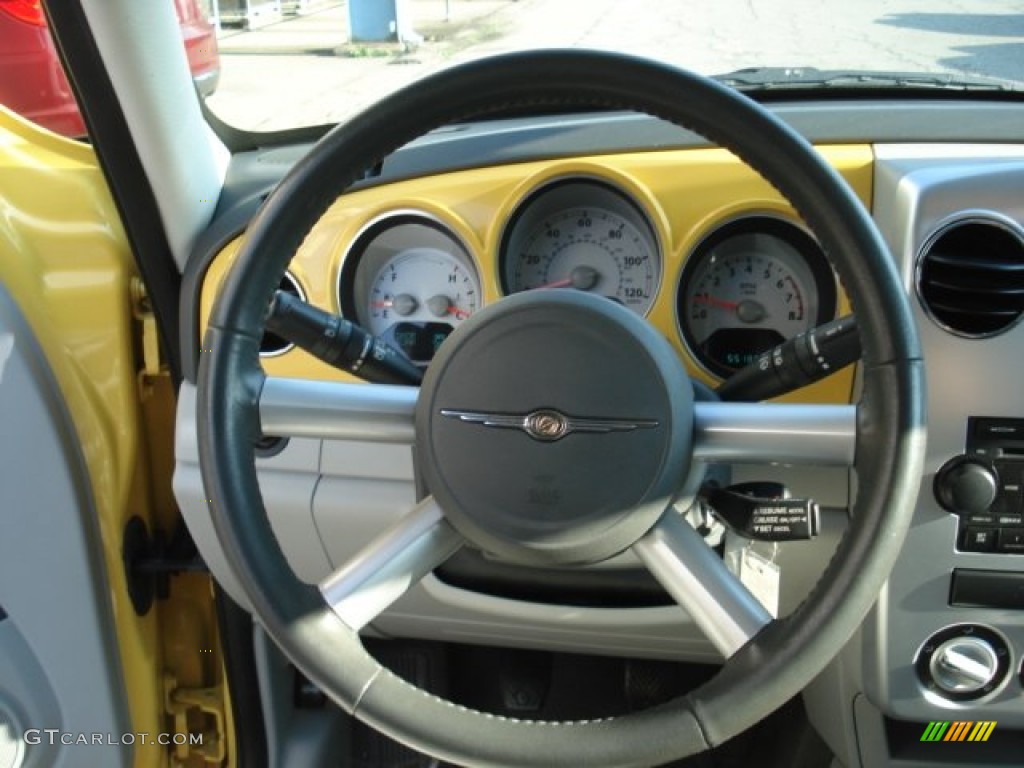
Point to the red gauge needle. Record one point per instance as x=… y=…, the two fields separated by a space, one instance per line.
x=403 y=304
x=442 y=305
x=556 y=284
x=714 y=301
x=582 y=278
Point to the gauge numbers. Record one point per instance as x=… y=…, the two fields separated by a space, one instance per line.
x=409 y=281
x=750 y=286
x=421 y=284
x=586 y=236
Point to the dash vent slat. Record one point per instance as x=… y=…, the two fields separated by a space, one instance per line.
x=970 y=277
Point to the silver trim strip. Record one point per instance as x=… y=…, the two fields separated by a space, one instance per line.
x=379 y=413
x=780 y=433
x=698 y=580
x=390 y=565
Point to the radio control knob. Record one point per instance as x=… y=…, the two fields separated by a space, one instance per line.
x=966 y=486
x=964 y=665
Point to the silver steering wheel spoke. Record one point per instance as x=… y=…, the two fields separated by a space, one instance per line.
x=390 y=565
x=380 y=413
x=775 y=433
x=696 y=578
x=723 y=432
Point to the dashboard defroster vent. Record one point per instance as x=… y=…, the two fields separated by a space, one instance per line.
x=970 y=276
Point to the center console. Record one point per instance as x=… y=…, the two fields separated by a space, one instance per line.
x=934 y=677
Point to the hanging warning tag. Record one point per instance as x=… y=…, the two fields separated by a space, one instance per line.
x=761 y=576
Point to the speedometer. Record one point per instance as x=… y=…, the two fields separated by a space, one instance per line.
x=583 y=235
x=749 y=286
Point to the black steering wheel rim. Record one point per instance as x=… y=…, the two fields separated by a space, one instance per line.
x=781 y=659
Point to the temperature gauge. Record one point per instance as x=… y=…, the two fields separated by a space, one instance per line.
x=409 y=280
x=421 y=284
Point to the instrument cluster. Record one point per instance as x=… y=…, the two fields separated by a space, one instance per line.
x=748 y=284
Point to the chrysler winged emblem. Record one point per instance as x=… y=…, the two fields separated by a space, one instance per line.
x=548 y=425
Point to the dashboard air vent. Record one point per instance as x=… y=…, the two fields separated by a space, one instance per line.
x=272 y=344
x=970 y=277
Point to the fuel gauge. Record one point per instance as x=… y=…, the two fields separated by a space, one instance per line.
x=421 y=284
x=409 y=280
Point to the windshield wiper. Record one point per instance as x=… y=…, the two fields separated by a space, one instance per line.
x=801 y=78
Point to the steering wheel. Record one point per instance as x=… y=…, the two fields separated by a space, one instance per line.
x=528 y=410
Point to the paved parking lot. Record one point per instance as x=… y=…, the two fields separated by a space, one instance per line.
x=305 y=70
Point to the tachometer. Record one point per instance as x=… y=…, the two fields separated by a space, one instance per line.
x=409 y=280
x=584 y=235
x=751 y=285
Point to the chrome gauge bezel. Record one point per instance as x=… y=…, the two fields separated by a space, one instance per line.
x=982 y=217
x=556 y=196
x=286 y=345
x=799 y=238
x=366 y=256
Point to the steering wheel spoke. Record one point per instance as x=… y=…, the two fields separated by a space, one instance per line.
x=824 y=435
x=697 y=579
x=337 y=410
x=390 y=565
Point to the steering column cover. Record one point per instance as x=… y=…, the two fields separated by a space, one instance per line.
x=777 y=663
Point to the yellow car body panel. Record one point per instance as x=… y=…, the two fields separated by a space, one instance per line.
x=65 y=259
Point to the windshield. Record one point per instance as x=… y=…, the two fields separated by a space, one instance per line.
x=310 y=62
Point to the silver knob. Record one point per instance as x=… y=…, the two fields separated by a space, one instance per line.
x=964 y=665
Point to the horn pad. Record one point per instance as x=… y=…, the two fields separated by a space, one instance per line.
x=554 y=427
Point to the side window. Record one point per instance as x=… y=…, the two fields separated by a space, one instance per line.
x=32 y=81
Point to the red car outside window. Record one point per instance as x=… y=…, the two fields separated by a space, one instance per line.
x=32 y=81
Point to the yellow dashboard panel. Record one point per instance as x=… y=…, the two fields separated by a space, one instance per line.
x=684 y=197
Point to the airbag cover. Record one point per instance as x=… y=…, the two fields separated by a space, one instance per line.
x=554 y=427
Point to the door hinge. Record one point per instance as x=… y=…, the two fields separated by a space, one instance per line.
x=198 y=722
x=142 y=309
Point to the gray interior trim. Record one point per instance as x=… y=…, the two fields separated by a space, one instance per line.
x=174 y=143
x=296 y=736
x=52 y=573
x=919 y=186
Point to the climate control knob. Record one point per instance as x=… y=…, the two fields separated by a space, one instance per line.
x=966 y=485
x=964 y=662
x=964 y=665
